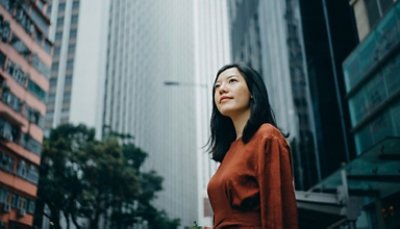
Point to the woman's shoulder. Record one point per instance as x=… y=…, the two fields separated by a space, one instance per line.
x=268 y=131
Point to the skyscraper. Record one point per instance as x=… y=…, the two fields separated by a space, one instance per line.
x=212 y=51
x=371 y=75
x=24 y=70
x=149 y=43
x=79 y=30
x=267 y=36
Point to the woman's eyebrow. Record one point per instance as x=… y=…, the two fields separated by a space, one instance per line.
x=228 y=77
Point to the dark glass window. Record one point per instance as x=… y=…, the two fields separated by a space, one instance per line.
x=61 y=7
x=2 y=59
x=75 y=5
x=74 y=19
x=385 y=5
x=372 y=11
x=6 y=162
x=58 y=35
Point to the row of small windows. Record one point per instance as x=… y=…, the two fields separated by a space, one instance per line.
x=21 y=77
x=13 y=133
x=65 y=104
x=20 y=168
x=22 y=48
x=10 y=200
x=32 y=21
x=56 y=65
x=41 y=5
x=9 y=98
x=61 y=6
x=61 y=17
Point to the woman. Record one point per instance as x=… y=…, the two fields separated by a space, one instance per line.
x=253 y=186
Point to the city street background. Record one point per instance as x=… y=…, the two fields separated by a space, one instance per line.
x=105 y=107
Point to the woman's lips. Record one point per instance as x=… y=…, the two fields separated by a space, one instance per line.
x=223 y=98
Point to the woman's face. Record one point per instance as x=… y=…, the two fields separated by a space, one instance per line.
x=231 y=96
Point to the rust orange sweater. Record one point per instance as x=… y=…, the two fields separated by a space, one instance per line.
x=253 y=186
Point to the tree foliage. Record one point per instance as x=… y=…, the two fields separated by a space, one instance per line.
x=83 y=178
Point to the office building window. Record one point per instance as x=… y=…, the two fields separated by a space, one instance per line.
x=68 y=80
x=71 y=49
x=73 y=33
x=70 y=64
x=60 y=22
x=75 y=5
x=48 y=10
x=58 y=35
x=74 y=19
x=53 y=82
x=67 y=98
x=61 y=7
x=54 y=69
x=57 y=51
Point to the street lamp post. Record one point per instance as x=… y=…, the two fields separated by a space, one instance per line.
x=177 y=83
x=205 y=167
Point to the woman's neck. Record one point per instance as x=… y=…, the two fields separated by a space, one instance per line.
x=239 y=122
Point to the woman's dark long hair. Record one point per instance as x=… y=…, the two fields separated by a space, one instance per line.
x=222 y=129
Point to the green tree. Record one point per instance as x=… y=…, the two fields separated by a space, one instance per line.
x=83 y=177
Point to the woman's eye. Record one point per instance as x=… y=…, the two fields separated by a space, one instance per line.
x=216 y=86
x=232 y=80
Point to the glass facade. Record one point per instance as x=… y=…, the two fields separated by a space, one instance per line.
x=372 y=83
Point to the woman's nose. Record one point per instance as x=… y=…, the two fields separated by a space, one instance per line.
x=222 y=88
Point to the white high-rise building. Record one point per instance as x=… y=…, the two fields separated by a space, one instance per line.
x=79 y=33
x=212 y=51
x=111 y=62
x=150 y=43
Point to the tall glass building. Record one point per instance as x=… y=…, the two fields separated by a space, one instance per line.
x=148 y=44
x=25 y=59
x=338 y=62
x=267 y=36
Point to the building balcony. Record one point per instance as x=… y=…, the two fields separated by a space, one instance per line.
x=12 y=116
x=18 y=183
